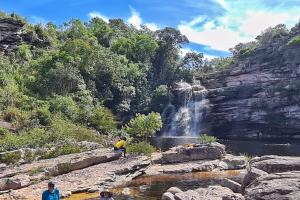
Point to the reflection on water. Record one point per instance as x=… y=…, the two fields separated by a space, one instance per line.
x=274 y=147
x=152 y=187
x=84 y=196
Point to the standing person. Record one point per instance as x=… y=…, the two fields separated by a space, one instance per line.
x=52 y=193
x=120 y=145
x=106 y=195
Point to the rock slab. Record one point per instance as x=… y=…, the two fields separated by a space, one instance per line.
x=278 y=186
x=198 y=152
x=211 y=193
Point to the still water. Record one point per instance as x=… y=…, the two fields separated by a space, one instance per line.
x=252 y=147
x=152 y=187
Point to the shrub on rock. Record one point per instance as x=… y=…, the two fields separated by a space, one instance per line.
x=141 y=148
x=144 y=125
x=207 y=139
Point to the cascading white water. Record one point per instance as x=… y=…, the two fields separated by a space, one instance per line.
x=187 y=120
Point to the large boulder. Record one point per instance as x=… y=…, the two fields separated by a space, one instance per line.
x=187 y=167
x=81 y=161
x=278 y=186
x=174 y=190
x=196 y=152
x=167 y=196
x=251 y=175
x=232 y=162
x=7 y=125
x=15 y=182
x=274 y=164
x=234 y=186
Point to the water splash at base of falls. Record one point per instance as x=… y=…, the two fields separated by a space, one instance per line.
x=186 y=120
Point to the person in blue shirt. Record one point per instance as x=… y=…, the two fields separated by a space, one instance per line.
x=52 y=193
x=106 y=195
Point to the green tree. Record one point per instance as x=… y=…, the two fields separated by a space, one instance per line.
x=103 y=120
x=101 y=30
x=65 y=105
x=75 y=29
x=144 y=125
x=160 y=98
x=192 y=60
x=271 y=33
x=137 y=48
x=244 y=49
x=167 y=58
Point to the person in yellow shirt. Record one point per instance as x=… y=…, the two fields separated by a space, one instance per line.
x=121 y=145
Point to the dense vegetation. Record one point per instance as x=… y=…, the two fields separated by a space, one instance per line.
x=86 y=81
x=83 y=81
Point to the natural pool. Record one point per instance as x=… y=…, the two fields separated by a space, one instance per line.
x=152 y=187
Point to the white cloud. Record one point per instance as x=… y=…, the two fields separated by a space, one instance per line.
x=197 y=20
x=257 y=21
x=219 y=38
x=152 y=26
x=135 y=18
x=99 y=15
x=241 y=22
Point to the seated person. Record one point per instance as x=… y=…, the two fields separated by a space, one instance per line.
x=52 y=193
x=120 y=145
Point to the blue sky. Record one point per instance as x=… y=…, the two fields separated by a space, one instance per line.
x=212 y=26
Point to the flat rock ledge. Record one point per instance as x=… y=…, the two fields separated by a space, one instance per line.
x=193 y=152
x=38 y=171
x=285 y=185
x=211 y=193
x=266 y=178
x=228 y=162
x=195 y=158
x=89 y=179
x=273 y=177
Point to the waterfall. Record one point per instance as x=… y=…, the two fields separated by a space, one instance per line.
x=186 y=120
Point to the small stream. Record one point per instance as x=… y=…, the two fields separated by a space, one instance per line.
x=152 y=187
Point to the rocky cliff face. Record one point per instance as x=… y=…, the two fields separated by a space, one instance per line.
x=13 y=32
x=10 y=34
x=259 y=96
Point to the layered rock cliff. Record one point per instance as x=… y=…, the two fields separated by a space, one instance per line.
x=10 y=34
x=14 y=32
x=259 y=96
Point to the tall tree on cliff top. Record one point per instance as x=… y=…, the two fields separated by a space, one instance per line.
x=166 y=61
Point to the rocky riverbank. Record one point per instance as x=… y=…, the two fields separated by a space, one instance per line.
x=84 y=172
x=266 y=177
